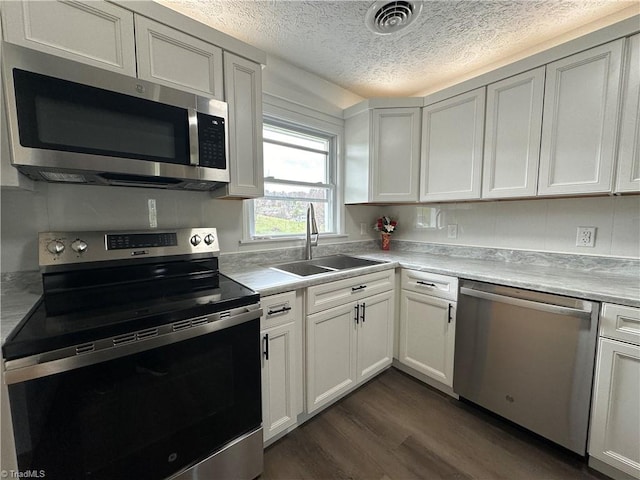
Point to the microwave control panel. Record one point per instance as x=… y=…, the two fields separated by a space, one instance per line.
x=211 y=141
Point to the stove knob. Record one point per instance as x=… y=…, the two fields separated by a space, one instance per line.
x=79 y=246
x=56 y=247
x=209 y=239
x=195 y=240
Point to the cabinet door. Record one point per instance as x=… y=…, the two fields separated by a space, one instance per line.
x=427 y=335
x=580 y=121
x=452 y=140
x=243 y=93
x=628 y=177
x=331 y=355
x=375 y=335
x=175 y=59
x=395 y=155
x=96 y=33
x=512 y=137
x=278 y=379
x=615 y=421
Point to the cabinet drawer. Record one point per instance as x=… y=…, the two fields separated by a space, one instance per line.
x=278 y=309
x=430 y=283
x=328 y=295
x=620 y=322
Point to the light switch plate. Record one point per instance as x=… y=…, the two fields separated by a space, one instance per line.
x=452 y=231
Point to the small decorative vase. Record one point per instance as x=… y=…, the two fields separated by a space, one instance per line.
x=386 y=241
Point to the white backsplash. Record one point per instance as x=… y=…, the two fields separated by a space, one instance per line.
x=547 y=225
x=60 y=207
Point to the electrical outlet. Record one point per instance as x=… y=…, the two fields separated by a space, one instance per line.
x=363 y=228
x=586 y=237
x=153 y=213
x=452 y=231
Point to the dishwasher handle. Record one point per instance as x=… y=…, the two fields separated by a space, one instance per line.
x=520 y=302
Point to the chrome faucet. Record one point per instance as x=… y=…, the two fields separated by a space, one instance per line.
x=312 y=229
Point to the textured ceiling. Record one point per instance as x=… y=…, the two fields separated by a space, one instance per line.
x=450 y=38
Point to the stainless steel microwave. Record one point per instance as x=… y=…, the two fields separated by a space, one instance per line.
x=69 y=122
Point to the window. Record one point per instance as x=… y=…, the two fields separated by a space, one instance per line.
x=299 y=165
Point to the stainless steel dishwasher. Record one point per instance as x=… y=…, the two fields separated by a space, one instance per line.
x=529 y=357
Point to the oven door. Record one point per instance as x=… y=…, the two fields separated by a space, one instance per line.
x=145 y=414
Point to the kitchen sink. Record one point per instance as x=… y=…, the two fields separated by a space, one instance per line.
x=342 y=262
x=322 y=265
x=302 y=269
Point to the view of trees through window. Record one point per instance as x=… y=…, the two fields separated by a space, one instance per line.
x=297 y=169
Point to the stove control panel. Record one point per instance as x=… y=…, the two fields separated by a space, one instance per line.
x=68 y=248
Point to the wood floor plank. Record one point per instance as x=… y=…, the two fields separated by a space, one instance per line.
x=396 y=428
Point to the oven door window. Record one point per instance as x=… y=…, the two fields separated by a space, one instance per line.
x=56 y=114
x=147 y=415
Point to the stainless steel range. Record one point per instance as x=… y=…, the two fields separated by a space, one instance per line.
x=140 y=360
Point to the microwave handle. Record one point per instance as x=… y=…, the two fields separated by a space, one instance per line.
x=193 y=136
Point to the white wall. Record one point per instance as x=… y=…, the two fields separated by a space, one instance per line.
x=540 y=224
x=52 y=207
x=283 y=80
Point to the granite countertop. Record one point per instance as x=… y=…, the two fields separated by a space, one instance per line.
x=580 y=282
x=581 y=277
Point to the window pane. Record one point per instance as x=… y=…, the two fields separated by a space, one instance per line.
x=295 y=138
x=290 y=163
x=299 y=192
x=282 y=217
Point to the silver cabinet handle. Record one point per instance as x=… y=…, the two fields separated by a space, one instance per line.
x=520 y=302
x=426 y=284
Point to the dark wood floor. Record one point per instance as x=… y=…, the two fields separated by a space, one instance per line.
x=397 y=428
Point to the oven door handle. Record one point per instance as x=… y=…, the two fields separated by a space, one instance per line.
x=71 y=358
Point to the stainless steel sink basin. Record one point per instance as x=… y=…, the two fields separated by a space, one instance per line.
x=302 y=269
x=342 y=262
x=322 y=265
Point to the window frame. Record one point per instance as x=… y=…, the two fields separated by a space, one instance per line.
x=283 y=114
x=330 y=176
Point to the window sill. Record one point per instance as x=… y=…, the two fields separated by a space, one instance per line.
x=267 y=240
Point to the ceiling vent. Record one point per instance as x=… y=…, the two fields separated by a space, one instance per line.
x=385 y=18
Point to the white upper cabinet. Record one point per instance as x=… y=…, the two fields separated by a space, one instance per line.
x=243 y=93
x=452 y=141
x=96 y=33
x=175 y=59
x=512 y=136
x=383 y=155
x=395 y=158
x=628 y=177
x=580 y=121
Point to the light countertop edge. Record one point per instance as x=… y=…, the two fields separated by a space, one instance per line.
x=578 y=283
x=572 y=282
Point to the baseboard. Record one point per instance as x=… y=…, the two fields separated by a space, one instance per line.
x=424 y=379
x=610 y=471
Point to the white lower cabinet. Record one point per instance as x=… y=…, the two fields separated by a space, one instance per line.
x=331 y=355
x=428 y=324
x=348 y=344
x=281 y=364
x=427 y=335
x=615 y=419
x=374 y=335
